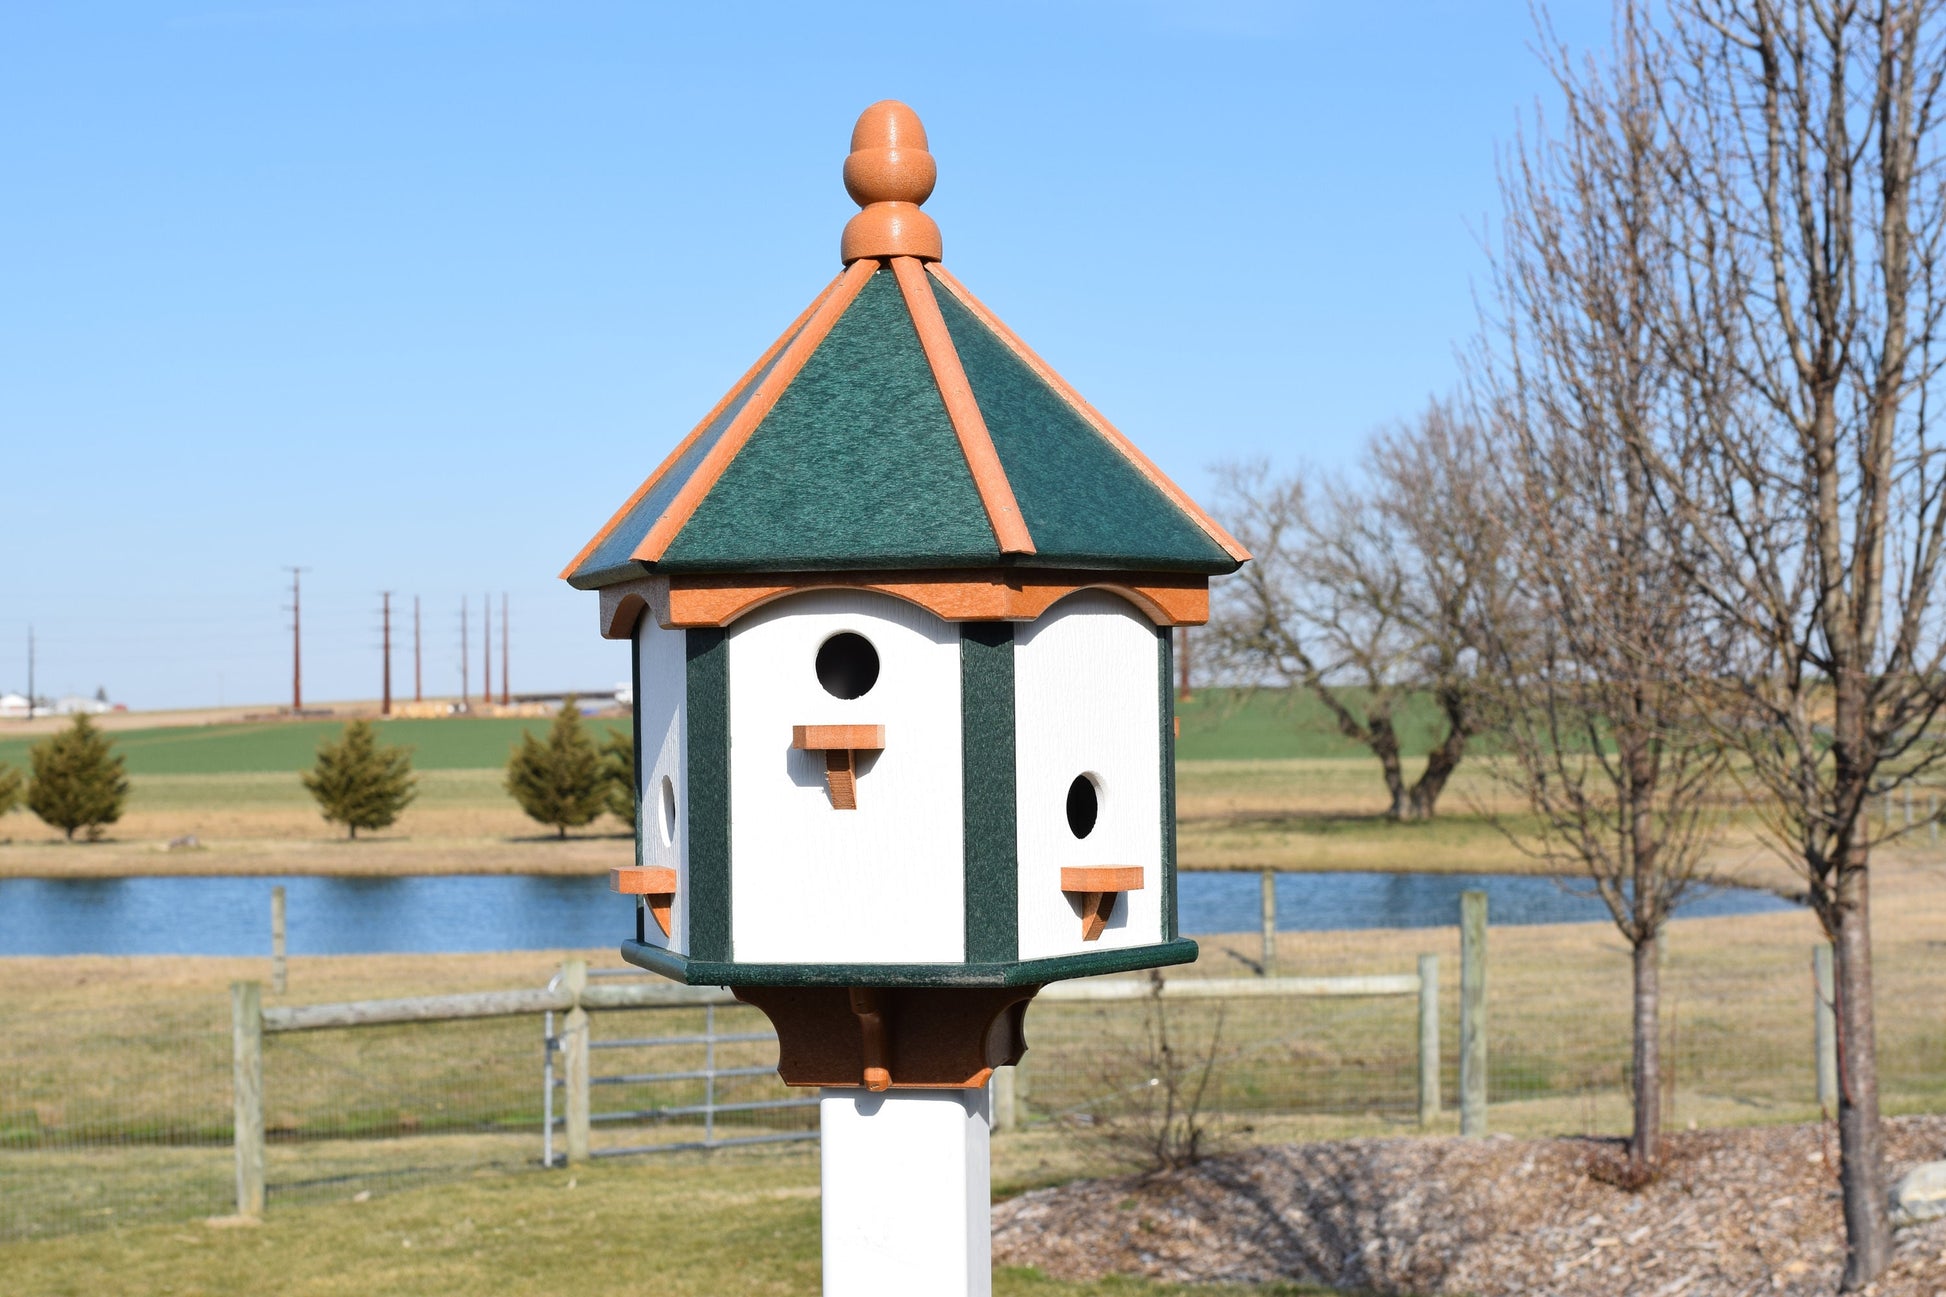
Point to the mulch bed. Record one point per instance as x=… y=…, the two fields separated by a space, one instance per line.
x=1737 y=1212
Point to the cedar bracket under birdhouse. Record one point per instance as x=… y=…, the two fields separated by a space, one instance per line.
x=1096 y=887
x=870 y=1012
x=841 y=745
x=891 y=1037
x=654 y=883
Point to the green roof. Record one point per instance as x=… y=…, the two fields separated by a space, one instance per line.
x=860 y=462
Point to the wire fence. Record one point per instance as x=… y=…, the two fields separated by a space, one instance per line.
x=121 y=1112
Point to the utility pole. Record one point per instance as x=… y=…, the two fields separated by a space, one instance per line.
x=30 y=672
x=486 y=650
x=385 y=616
x=297 y=640
x=465 y=657
x=505 y=697
x=418 y=693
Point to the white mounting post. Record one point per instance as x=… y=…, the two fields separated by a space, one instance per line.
x=907 y=1193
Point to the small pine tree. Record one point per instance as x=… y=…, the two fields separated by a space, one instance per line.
x=559 y=782
x=618 y=769
x=358 y=783
x=10 y=788
x=78 y=780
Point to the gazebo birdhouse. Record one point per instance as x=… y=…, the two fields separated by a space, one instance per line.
x=901 y=608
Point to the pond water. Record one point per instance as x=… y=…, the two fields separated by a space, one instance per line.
x=471 y=912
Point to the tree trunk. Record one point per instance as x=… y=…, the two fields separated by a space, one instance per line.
x=1860 y=1140
x=1645 y=1144
x=1440 y=764
x=1388 y=759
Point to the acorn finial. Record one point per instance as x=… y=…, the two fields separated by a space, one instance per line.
x=888 y=174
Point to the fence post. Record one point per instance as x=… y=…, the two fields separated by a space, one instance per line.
x=1270 y=921
x=247 y=1083
x=574 y=1052
x=1908 y=806
x=1473 y=1013
x=277 y=979
x=1004 y=1116
x=1428 y=1039
x=1825 y=1033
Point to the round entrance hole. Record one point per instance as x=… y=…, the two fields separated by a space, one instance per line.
x=668 y=817
x=1084 y=804
x=847 y=665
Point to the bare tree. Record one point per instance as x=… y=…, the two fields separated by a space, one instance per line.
x=1364 y=594
x=1812 y=229
x=1596 y=706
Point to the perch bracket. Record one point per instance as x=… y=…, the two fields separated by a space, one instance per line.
x=841 y=745
x=1096 y=887
x=655 y=883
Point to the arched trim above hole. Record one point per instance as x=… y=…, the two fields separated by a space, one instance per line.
x=1011 y=594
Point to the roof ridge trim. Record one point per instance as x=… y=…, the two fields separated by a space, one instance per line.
x=1126 y=448
x=963 y=410
x=823 y=316
x=682 y=447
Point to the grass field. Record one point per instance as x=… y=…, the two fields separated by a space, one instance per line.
x=1216 y=725
x=695 y=1227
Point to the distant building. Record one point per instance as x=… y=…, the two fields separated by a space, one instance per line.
x=74 y=704
x=13 y=705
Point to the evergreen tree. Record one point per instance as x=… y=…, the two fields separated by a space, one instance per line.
x=78 y=780
x=358 y=783
x=618 y=769
x=560 y=781
x=10 y=787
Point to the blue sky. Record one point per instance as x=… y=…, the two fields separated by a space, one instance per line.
x=414 y=293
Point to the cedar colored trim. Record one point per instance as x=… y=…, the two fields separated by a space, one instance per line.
x=1101 y=878
x=1096 y=887
x=989 y=478
x=799 y=350
x=823 y=738
x=683 y=445
x=657 y=883
x=1108 y=430
x=1166 y=599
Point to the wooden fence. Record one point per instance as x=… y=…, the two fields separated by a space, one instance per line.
x=574 y=995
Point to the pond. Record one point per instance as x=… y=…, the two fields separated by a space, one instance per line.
x=473 y=912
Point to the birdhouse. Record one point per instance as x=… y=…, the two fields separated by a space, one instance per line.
x=901 y=608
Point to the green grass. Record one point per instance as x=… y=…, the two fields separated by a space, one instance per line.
x=461 y=743
x=1262 y=724
x=1216 y=725
x=684 y=1226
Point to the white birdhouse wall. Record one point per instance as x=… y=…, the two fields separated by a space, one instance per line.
x=661 y=766
x=814 y=880
x=1088 y=730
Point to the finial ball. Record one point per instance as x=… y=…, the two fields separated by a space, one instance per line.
x=889 y=162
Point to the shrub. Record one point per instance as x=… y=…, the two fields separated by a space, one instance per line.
x=1165 y=1121
x=559 y=782
x=618 y=770
x=359 y=784
x=10 y=788
x=78 y=780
